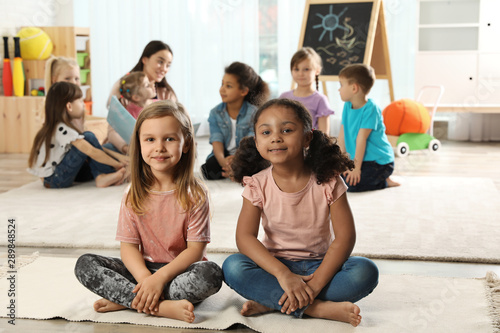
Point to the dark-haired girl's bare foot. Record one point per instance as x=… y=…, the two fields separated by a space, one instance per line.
x=252 y=308
x=340 y=311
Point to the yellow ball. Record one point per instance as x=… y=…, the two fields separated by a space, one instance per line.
x=35 y=44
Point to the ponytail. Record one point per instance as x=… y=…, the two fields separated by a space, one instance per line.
x=325 y=159
x=258 y=90
x=247 y=160
x=259 y=94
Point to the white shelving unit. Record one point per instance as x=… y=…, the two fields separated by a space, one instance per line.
x=459 y=48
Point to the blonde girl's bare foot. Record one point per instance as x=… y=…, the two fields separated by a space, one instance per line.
x=346 y=312
x=104 y=305
x=251 y=308
x=109 y=179
x=180 y=310
x=391 y=183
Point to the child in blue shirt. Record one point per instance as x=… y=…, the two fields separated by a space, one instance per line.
x=362 y=133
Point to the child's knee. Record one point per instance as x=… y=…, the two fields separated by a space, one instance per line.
x=84 y=264
x=91 y=138
x=210 y=273
x=367 y=271
x=233 y=267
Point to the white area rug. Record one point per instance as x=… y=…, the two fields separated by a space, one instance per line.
x=400 y=303
x=427 y=218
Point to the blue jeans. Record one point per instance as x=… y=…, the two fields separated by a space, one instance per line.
x=356 y=279
x=76 y=166
x=373 y=177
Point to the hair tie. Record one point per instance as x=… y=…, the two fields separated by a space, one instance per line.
x=123 y=81
x=121 y=90
x=128 y=90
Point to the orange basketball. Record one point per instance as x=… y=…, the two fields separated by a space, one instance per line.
x=406 y=116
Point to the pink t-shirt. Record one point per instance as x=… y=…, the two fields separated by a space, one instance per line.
x=163 y=232
x=134 y=109
x=297 y=225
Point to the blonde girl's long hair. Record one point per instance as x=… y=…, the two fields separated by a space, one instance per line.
x=54 y=65
x=307 y=53
x=191 y=193
x=58 y=96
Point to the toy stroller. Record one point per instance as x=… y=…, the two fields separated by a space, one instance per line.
x=418 y=141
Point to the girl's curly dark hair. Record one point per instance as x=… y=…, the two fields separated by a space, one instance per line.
x=247 y=160
x=323 y=157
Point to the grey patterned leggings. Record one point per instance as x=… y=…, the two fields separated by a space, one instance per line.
x=109 y=278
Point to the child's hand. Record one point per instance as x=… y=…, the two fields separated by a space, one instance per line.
x=226 y=169
x=353 y=177
x=119 y=165
x=297 y=293
x=124 y=159
x=148 y=293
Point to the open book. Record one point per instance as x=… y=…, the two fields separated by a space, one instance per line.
x=120 y=119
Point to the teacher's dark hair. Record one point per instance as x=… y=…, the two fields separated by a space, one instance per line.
x=151 y=48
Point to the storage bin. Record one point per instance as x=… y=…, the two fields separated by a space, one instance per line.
x=80 y=56
x=84 y=75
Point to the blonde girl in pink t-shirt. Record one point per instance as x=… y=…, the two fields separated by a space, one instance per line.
x=163 y=226
x=303 y=264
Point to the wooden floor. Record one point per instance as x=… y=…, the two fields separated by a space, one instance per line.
x=455 y=159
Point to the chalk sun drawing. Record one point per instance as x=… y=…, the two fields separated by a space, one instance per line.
x=329 y=23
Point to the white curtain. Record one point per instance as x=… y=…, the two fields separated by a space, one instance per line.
x=289 y=22
x=205 y=36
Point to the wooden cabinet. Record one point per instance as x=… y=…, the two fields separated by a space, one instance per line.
x=20 y=120
x=458 y=48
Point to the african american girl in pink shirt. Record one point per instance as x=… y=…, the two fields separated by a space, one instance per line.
x=163 y=226
x=292 y=182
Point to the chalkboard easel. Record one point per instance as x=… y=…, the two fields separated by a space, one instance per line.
x=344 y=32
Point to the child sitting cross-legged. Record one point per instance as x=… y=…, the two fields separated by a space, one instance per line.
x=163 y=226
x=303 y=265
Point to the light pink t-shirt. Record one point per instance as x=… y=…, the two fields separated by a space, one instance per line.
x=163 y=232
x=297 y=225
